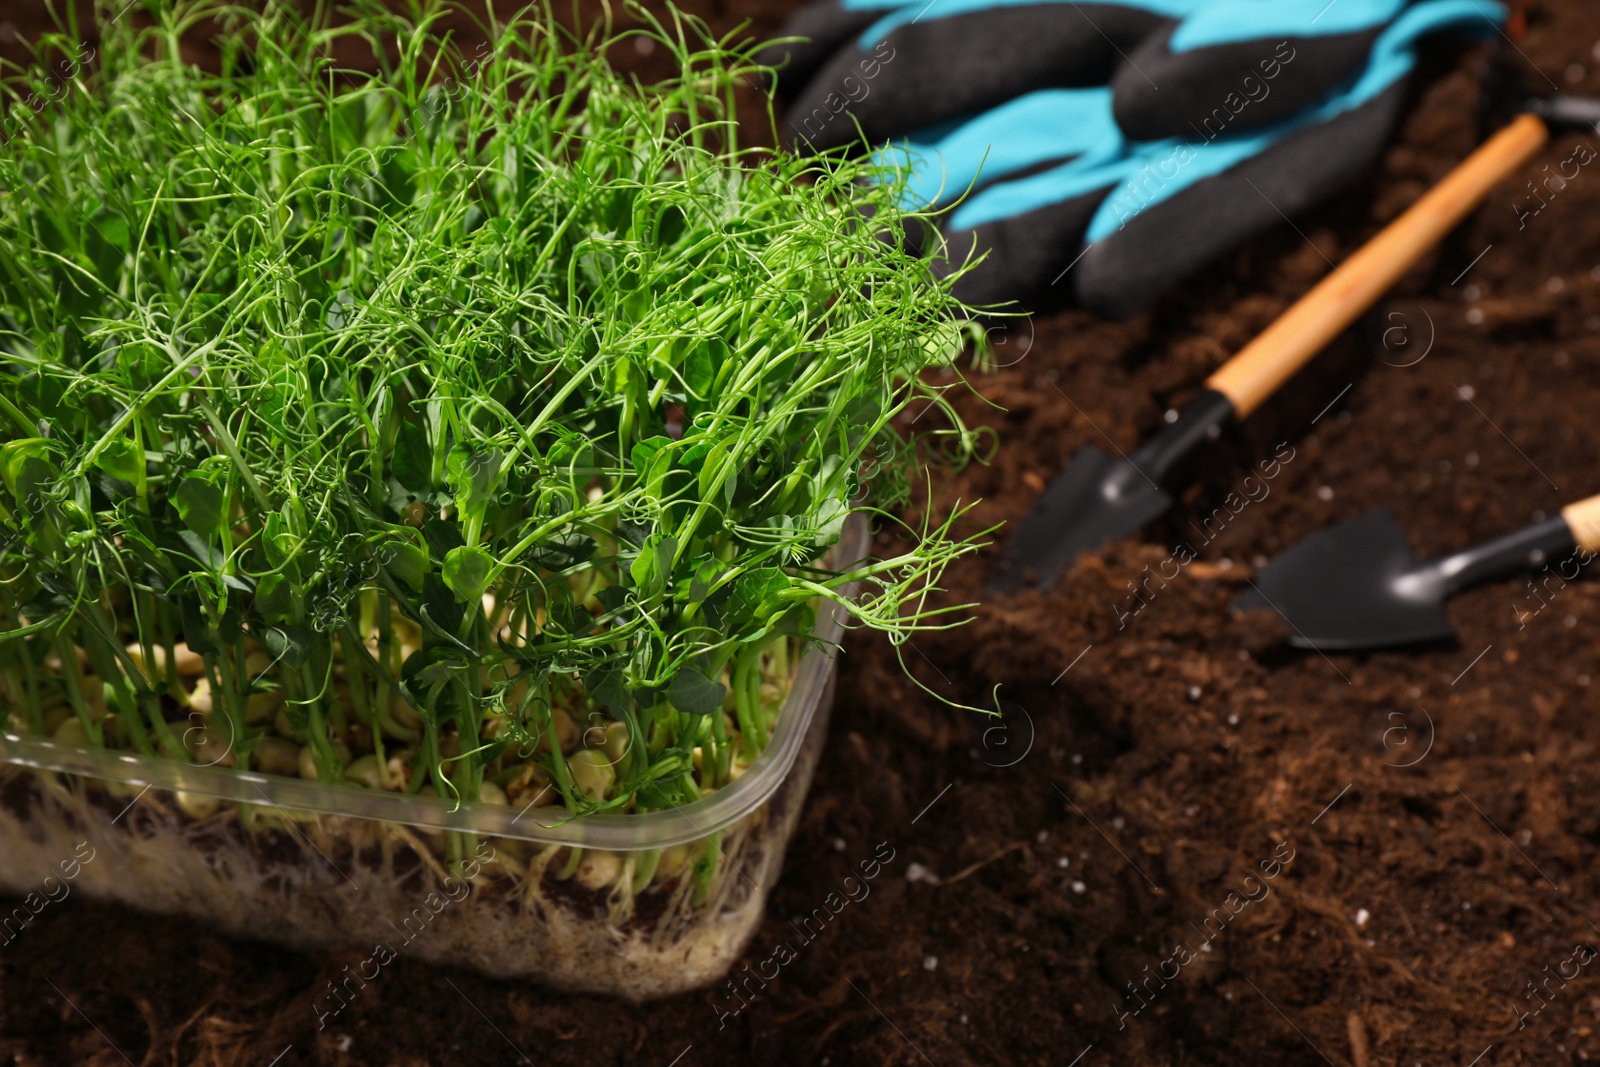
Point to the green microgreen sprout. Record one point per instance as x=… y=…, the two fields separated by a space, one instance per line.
x=470 y=425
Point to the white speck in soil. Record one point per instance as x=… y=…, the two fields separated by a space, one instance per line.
x=1194 y=692
x=1583 y=679
x=918 y=873
x=1466 y=392
x=930 y=963
x=1570 y=621
x=963 y=1019
x=1466 y=905
x=1063 y=863
x=1555 y=285
x=838 y=844
x=1244 y=655
x=1079 y=887
x=345 y=1041
x=1471 y=459
x=1472 y=292
x=1191 y=810
x=643 y=45
x=1171 y=416
x=1042 y=836
x=1077 y=758
x=1233 y=720
x=1362 y=915
x=1118 y=822
x=1474 y=316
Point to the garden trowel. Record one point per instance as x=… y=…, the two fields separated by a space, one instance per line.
x=1100 y=497
x=1358 y=584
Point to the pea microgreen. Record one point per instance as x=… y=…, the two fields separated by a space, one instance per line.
x=421 y=412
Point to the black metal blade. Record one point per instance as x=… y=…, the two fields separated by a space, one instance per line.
x=1096 y=499
x=1352 y=586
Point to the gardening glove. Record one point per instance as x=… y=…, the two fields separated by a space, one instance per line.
x=898 y=66
x=1057 y=179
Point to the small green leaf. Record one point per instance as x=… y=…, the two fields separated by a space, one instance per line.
x=798 y=621
x=406 y=561
x=669 y=226
x=289 y=645
x=693 y=692
x=14 y=457
x=700 y=371
x=200 y=503
x=646 y=450
x=612 y=597
x=466 y=572
x=440 y=604
x=472 y=476
x=196 y=632
x=606 y=688
x=275 y=598
x=279 y=543
x=653 y=565
x=755 y=595
x=442 y=536
x=412 y=465
x=121 y=458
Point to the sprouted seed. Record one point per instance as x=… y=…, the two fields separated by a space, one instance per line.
x=461 y=426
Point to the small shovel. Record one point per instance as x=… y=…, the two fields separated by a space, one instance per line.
x=1358 y=584
x=1099 y=497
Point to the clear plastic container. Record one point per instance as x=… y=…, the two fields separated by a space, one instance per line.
x=571 y=906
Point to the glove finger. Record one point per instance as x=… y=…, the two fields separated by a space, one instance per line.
x=822 y=28
x=1161 y=93
x=1025 y=256
x=1037 y=131
x=1176 y=205
x=1151 y=247
x=924 y=65
x=1146 y=237
x=1241 y=64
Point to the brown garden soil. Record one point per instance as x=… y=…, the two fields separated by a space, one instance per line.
x=1431 y=817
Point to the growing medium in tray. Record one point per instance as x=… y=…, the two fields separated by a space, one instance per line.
x=473 y=425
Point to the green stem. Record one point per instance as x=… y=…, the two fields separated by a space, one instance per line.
x=74 y=679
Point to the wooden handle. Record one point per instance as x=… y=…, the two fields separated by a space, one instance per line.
x=1583 y=519
x=1263 y=365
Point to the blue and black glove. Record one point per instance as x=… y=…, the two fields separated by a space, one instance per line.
x=1130 y=142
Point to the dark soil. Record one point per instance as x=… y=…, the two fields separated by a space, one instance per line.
x=1294 y=859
